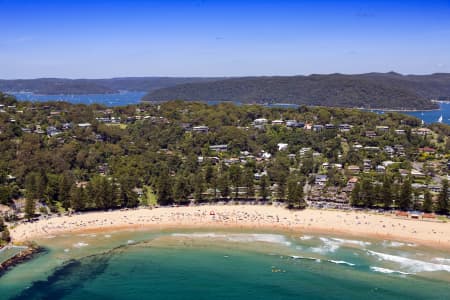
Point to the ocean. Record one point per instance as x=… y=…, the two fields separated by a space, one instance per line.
x=181 y=264
x=126 y=98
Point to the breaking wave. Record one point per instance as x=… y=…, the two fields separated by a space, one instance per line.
x=412 y=265
x=388 y=271
x=242 y=238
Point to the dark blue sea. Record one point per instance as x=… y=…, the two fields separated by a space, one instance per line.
x=126 y=98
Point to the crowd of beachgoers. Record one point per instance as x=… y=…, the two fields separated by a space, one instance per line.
x=357 y=223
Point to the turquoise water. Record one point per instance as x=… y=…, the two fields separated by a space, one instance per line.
x=227 y=265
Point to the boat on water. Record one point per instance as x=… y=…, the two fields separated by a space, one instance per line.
x=440 y=119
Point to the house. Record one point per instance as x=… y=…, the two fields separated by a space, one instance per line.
x=219 y=148
x=417 y=174
x=353 y=169
x=317 y=127
x=259 y=175
x=84 y=125
x=367 y=165
x=371 y=134
x=277 y=122
x=427 y=150
x=330 y=126
x=304 y=151
x=201 y=129
x=357 y=146
x=382 y=128
x=282 y=146
x=321 y=180
x=344 y=127
x=380 y=169
x=400 y=131
x=389 y=150
x=294 y=124
x=422 y=131
x=259 y=122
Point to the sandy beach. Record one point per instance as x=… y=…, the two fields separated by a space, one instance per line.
x=360 y=224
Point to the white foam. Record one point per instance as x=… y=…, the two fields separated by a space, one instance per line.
x=80 y=244
x=129 y=242
x=442 y=260
x=352 y=242
x=388 y=271
x=66 y=250
x=242 y=238
x=306 y=237
x=395 y=244
x=412 y=265
x=341 y=262
x=107 y=235
x=329 y=246
x=303 y=257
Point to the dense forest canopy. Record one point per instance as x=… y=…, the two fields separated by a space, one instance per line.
x=57 y=86
x=373 y=90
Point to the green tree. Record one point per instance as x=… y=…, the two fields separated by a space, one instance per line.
x=442 y=203
x=405 y=200
x=264 y=187
x=164 y=188
x=2 y=223
x=249 y=183
x=77 y=198
x=427 y=205
x=181 y=189
x=6 y=236
x=355 y=198
x=65 y=185
x=235 y=178
x=295 y=194
x=224 y=185
x=386 y=192
x=199 y=187
x=30 y=207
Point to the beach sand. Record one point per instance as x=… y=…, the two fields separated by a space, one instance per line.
x=361 y=224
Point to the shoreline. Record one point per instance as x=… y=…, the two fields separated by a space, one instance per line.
x=244 y=217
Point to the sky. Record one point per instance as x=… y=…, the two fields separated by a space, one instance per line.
x=116 y=38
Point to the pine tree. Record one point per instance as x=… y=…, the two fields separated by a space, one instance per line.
x=224 y=185
x=405 y=200
x=442 y=204
x=6 y=236
x=427 y=205
x=249 y=184
x=77 y=198
x=199 y=187
x=2 y=223
x=264 y=187
x=30 y=206
x=386 y=192
x=235 y=178
x=356 y=195
x=164 y=188
x=295 y=194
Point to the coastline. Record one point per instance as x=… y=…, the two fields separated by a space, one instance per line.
x=434 y=234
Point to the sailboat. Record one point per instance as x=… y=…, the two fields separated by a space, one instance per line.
x=440 y=119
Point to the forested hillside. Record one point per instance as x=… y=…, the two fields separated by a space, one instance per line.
x=374 y=90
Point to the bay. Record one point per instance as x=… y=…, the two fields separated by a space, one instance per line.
x=181 y=264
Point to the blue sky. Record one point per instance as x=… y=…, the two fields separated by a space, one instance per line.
x=98 y=39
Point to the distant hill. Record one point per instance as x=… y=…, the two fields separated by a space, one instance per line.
x=56 y=86
x=372 y=90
